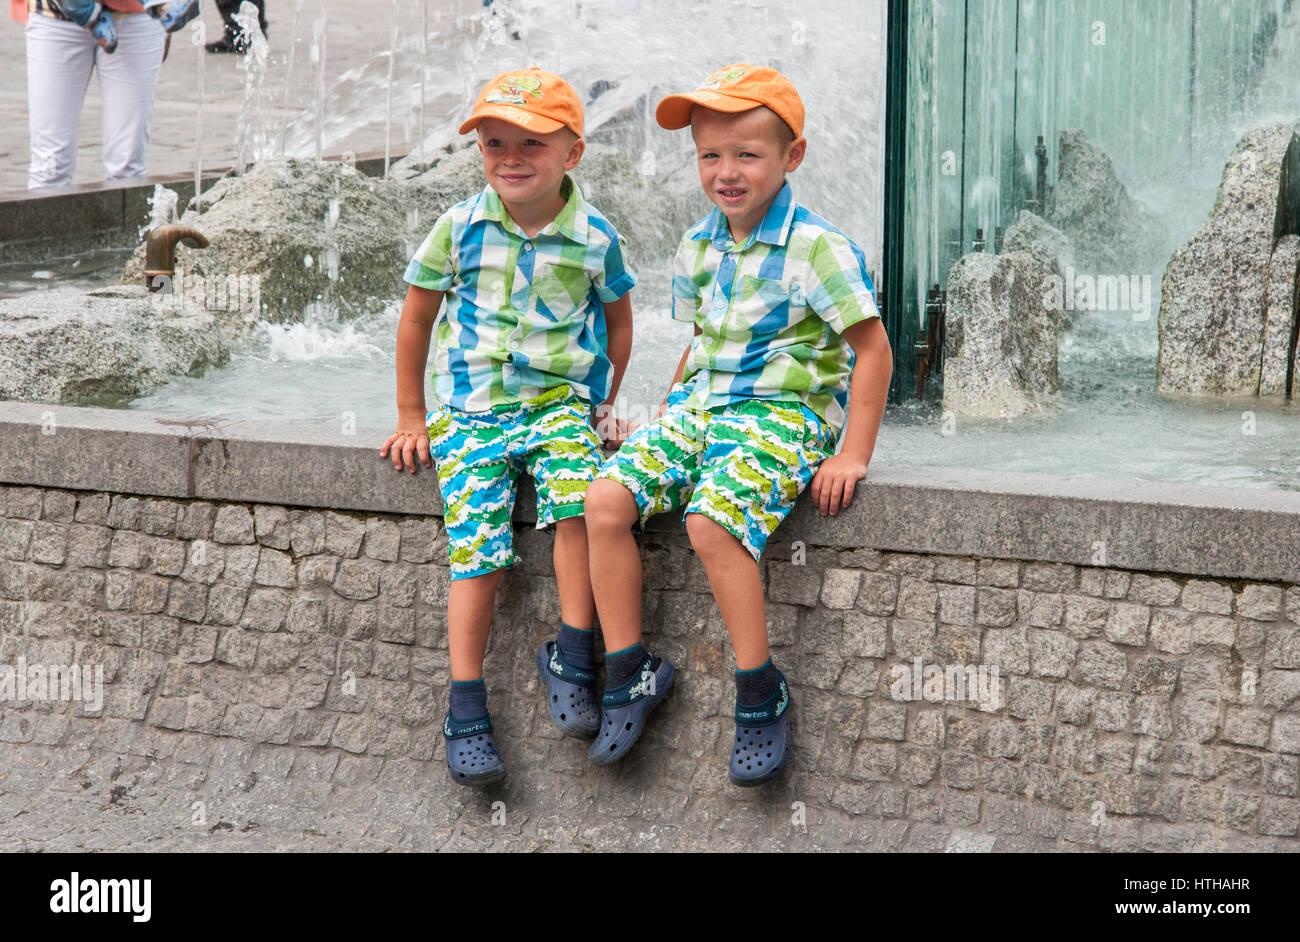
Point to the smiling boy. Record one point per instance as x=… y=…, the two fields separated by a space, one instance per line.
x=781 y=302
x=536 y=335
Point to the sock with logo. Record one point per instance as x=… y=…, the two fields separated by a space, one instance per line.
x=575 y=646
x=621 y=665
x=756 y=685
x=468 y=699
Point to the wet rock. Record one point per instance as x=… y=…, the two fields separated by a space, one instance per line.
x=1036 y=237
x=309 y=233
x=1214 y=295
x=1000 y=353
x=1111 y=231
x=1048 y=246
x=1280 y=315
x=99 y=348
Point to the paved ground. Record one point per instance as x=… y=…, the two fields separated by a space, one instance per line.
x=351 y=42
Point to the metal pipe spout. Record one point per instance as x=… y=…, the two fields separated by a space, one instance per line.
x=160 y=252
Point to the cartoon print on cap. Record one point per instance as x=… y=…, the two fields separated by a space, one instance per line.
x=513 y=88
x=724 y=76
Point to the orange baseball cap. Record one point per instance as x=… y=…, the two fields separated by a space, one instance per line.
x=530 y=98
x=736 y=88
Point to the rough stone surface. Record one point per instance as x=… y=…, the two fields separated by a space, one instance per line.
x=297 y=695
x=1109 y=229
x=113 y=344
x=308 y=233
x=1280 y=315
x=1214 y=307
x=1000 y=352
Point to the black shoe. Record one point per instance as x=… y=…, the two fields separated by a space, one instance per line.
x=223 y=44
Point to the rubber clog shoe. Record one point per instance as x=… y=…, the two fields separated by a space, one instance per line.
x=570 y=692
x=623 y=710
x=104 y=33
x=175 y=14
x=762 y=738
x=472 y=757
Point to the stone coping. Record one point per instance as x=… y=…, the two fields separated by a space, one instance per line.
x=1228 y=533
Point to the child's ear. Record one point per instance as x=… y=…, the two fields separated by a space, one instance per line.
x=575 y=153
x=794 y=156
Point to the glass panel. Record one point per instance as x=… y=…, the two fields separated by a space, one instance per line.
x=1165 y=89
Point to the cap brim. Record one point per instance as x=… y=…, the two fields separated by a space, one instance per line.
x=674 y=111
x=512 y=115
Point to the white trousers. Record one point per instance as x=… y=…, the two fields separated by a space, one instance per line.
x=60 y=58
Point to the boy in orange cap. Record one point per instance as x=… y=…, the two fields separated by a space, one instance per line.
x=781 y=303
x=530 y=351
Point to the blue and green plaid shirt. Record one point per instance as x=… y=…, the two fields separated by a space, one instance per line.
x=523 y=314
x=772 y=309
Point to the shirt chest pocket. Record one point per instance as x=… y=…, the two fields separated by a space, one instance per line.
x=559 y=289
x=767 y=305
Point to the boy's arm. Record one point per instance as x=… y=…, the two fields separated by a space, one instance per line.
x=618 y=346
x=833 y=485
x=677 y=376
x=419 y=312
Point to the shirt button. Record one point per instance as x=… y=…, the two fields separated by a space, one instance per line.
x=514 y=345
x=528 y=246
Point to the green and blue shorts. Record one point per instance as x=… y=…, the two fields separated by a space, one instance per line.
x=742 y=465
x=480 y=456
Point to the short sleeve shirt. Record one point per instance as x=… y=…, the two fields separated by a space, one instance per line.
x=772 y=309
x=523 y=314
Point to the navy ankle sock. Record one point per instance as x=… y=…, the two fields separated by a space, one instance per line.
x=468 y=699
x=575 y=646
x=621 y=665
x=755 y=686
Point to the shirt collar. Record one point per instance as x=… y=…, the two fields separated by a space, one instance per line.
x=571 y=222
x=774 y=229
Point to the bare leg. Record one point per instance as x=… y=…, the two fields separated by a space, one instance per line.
x=615 y=562
x=572 y=575
x=469 y=618
x=737 y=588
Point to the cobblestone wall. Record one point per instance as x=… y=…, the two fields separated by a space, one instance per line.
x=290 y=667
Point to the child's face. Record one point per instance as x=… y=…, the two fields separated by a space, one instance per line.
x=524 y=167
x=743 y=159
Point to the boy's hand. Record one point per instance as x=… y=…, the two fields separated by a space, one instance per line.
x=411 y=437
x=612 y=430
x=835 y=481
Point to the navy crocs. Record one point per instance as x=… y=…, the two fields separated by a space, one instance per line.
x=623 y=710
x=762 y=738
x=472 y=757
x=570 y=692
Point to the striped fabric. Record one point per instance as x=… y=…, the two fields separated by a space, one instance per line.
x=51 y=8
x=772 y=309
x=523 y=314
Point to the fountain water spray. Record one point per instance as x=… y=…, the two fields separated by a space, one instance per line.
x=318 y=57
x=288 y=74
x=197 y=37
x=253 y=64
x=388 y=100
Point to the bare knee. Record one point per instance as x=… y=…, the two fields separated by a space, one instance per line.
x=609 y=506
x=708 y=537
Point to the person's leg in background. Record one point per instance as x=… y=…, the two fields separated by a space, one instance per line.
x=232 y=37
x=60 y=55
x=127 y=80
